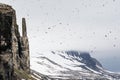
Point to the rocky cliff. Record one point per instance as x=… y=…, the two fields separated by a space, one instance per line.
x=14 y=49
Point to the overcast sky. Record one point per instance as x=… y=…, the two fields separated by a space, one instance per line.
x=86 y=25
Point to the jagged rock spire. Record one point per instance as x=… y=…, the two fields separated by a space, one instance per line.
x=14 y=49
x=24 y=31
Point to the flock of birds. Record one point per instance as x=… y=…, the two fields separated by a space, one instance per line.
x=60 y=23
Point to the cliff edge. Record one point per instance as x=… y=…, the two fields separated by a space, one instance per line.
x=14 y=49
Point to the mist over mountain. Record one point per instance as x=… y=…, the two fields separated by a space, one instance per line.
x=69 y=26
x=87 y=25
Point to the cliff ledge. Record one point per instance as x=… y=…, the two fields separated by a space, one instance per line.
x=14 y=49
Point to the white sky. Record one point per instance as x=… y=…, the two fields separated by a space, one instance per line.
x=90 y=25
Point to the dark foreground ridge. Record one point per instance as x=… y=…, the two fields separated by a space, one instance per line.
x=14 y=49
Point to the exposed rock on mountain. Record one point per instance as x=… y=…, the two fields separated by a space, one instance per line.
x=14 y=49
x=69 y=65
x=51 y=65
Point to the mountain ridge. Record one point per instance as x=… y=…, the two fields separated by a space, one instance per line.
x=70 y=65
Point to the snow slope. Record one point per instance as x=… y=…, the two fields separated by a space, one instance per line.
x=69 y=65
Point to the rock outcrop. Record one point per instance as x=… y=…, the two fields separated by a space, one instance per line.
x=14 y=49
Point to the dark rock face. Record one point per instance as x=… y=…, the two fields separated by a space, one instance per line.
x=86 y=59
x=14 y=49
x=89 y=61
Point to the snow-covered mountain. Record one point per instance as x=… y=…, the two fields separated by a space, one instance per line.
x=69 y=65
